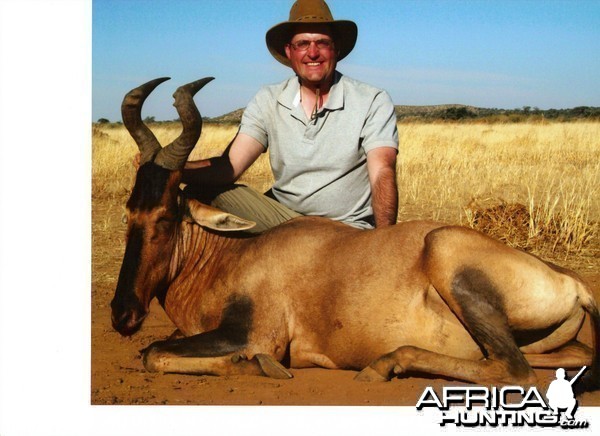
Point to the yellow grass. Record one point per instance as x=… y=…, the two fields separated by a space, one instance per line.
x=446 y=172
x=113 y=151
x=552 y=169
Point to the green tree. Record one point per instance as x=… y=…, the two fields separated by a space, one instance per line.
x=457 y=113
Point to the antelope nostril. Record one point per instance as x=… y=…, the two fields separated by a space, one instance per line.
x=128 y=322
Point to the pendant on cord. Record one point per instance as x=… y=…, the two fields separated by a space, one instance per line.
x=313 y=115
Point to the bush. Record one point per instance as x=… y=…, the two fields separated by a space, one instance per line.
x=457 y=113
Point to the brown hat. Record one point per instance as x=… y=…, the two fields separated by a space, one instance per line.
x=310 y=11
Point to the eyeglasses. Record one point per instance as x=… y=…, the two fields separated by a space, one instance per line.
x=304 y=44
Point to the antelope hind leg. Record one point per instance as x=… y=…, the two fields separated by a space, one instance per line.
x=475 y=301
x=409 y=358
x=571 y=355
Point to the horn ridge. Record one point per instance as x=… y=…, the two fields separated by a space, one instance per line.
x=131 y=112
x=174 y=155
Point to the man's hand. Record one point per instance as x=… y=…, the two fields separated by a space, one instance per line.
x=225 y=169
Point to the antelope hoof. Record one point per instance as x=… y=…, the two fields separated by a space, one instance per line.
x=272 y=368
x=153 y=360
x=370 y=375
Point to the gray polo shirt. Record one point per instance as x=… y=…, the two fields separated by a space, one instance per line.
x=320 y=166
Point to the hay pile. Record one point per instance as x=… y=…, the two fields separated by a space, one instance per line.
x=518 y=226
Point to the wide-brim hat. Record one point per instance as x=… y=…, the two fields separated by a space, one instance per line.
x=311 y=12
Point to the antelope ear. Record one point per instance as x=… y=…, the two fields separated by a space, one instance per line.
x=216 y=219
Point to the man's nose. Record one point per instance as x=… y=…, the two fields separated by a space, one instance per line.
x=313 y=50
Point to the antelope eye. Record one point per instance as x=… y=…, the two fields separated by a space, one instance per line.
x=164 y=223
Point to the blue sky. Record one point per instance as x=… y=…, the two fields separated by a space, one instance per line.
x=504 y=54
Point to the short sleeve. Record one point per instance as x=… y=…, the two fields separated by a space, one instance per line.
x=253 y=121
x=380 y=129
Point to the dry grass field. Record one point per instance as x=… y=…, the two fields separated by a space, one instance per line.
x=534 y=185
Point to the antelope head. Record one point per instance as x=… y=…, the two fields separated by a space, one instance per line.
x=153 y=209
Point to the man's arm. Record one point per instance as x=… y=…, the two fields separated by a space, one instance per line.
x=227 y=168
x=381 y=166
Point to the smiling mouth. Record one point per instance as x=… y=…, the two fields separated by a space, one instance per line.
x=313 y=64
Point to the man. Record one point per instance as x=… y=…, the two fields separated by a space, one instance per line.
x=560 y=393
x=332 y=140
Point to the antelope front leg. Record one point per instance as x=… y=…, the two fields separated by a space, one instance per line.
x=231 y=364
x=209 y=353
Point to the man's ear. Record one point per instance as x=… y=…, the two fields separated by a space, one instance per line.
x=215 y=219
x=288 y=51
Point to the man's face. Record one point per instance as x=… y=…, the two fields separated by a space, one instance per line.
x=312 y=64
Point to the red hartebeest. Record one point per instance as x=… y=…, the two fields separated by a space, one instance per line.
x=418 y=296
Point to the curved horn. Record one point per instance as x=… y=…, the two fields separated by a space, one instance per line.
x=131 y=111
x=174 y=155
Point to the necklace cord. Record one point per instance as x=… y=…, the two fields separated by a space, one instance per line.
x=316 y=108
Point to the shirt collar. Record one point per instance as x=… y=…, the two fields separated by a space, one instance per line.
x=336 y=93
